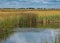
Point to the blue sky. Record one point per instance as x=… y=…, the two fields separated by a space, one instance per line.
x=29 y=3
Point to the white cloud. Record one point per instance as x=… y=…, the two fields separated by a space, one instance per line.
x=29 y=3
x=12 y=3
x=39 y=1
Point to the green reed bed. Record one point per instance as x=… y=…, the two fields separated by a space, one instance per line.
x=30 y=21
x=53 y=21
x=9 y=23
x=49 y=21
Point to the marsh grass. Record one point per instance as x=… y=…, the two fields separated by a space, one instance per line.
x=30 y=21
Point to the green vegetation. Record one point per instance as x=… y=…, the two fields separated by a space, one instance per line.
x=30 y=21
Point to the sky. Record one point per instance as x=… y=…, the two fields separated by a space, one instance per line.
x=29 y=3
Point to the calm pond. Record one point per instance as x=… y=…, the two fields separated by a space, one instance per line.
x=31 y=35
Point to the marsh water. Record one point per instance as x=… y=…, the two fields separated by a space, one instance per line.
x=31 y=35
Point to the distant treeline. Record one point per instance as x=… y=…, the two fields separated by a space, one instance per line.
x=33 y=8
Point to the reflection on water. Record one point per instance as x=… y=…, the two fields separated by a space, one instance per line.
x=33 y=36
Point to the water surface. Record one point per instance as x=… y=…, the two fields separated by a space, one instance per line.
x=32 y=35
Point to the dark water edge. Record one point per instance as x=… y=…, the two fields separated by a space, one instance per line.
x=34 y=34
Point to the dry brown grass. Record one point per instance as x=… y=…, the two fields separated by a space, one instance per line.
x=38 y=12
x=4 y=14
